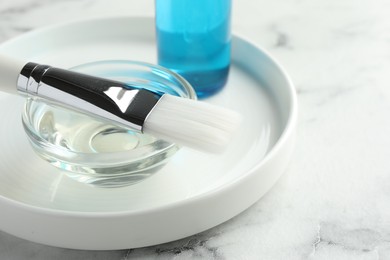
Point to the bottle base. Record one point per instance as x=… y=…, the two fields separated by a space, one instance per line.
x=206 y=83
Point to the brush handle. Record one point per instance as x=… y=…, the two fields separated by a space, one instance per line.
x=109 y=99
x=9 y=72
x=112 y=100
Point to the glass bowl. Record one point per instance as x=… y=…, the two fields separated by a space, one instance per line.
x=92 y=150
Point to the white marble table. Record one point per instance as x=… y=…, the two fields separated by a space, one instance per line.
x=333 y=201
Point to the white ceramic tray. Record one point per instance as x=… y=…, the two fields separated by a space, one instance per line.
x=194 y=192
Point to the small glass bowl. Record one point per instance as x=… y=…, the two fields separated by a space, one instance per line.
x=92 y=150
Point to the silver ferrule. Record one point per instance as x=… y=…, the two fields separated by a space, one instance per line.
x=26 y=83
x=111 y=100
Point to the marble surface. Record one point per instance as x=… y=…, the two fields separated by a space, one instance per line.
x=333 y=201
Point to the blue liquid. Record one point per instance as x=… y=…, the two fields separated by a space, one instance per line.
x=194 y=40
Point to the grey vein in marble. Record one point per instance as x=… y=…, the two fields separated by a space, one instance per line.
x=195 y=247
x=363 y=241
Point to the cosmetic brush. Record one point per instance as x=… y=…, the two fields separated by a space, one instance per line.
x=183 y=121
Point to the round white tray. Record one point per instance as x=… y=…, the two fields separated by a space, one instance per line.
x=194 y=192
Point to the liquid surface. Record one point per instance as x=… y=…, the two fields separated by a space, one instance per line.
x=79 y=133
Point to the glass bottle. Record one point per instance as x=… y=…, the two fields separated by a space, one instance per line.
x=193 y=39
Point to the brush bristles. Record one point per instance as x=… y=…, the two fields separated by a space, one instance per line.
x=192 y=123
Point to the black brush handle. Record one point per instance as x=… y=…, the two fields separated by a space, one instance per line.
x=74 y=89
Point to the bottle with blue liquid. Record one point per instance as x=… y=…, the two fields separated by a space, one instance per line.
x=193 y=39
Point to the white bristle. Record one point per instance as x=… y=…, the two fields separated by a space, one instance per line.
x=192 y=123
